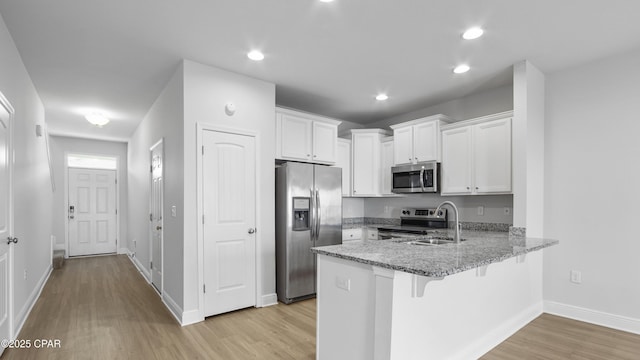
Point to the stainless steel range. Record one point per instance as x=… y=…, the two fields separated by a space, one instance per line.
x=414 y=222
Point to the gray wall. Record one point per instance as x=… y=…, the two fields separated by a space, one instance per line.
x=32 y=182
x=61 y=145
x=591 y=168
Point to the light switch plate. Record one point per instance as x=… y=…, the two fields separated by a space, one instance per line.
x=174 y=211
x=343 y=283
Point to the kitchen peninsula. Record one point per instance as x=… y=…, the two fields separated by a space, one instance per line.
x=391 y=299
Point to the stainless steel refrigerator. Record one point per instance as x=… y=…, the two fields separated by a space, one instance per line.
x=308 y=214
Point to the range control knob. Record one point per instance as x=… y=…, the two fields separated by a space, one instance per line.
x=430 y=212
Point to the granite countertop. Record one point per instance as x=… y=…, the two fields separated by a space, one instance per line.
x=480 y=248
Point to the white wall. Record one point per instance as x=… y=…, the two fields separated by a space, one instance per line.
x=60 y=146
x=467 y=206
x=472 y=106
x=206 y=91
x=32 y=183
x=164 y=120
x=592 y=175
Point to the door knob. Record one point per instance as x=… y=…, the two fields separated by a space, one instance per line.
x=251 y=230
x=158 y=227
x=12 y=240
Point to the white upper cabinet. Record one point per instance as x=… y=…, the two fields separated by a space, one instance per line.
x=476 y=156
x=418 y=140
x=343 y=161
x=366 y=161
x=386 y=164
x=305 y=137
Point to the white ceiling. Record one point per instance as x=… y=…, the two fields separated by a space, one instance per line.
x=327 y=58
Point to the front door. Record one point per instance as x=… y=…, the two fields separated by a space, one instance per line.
x=92 y=212
x=6 y=210
x=156 y=212
x=229 y=204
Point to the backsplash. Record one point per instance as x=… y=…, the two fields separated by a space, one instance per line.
x=465 y=225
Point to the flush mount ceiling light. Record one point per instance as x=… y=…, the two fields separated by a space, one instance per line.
x=382 y=97
x=326 y=1
x=460 y=69
x=472 y=33
x=255 y=55
x=97 y=119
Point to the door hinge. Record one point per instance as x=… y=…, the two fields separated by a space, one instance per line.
x=150 y=217
x=203 y=219
x=202 y=149
x=204 y=288
x=116 y=181
x=150 y=168
x=151 y=264
x=116 y=211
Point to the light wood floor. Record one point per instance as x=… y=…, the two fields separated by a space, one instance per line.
x=101 y=308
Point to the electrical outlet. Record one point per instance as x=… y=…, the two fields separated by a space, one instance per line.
x=480 y=210
x=507 y=211
x=174 y=211
x=575 y=277
x=343 y=283
x=25 y=274
x=387 y=209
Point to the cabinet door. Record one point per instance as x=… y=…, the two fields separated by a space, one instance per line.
x=295 y=137
x=492 y=156
x=403 y=146
x=366 y=164
x=425 y=141
x=325 y=138
x=385 y=168
x=456 y=161
x=343 y=161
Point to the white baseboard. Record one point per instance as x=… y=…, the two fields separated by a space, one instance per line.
x=31 y=301
x=496 y=336
x=173 y=307
x=124 y=251
x=268 y=300
x=145 y=273
x=191 y=317
x=596 y=317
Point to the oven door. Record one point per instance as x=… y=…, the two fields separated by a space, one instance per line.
x=418 y=178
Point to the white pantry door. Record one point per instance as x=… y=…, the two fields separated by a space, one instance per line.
x=92 y=212
x=156 y=213
x=229 y=204
x=6 y=210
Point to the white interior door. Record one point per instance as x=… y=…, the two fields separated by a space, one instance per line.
x=92 y=212
x=5 y=220
x=229 y=204
x=156 y=214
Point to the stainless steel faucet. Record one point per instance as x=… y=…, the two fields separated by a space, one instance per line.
x=456 y=236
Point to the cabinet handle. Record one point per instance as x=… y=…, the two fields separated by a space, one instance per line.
x=477 y=188
x=308 y=155
x=468 y=188
x=409 y=159
x=416 y=159
x=315 y=156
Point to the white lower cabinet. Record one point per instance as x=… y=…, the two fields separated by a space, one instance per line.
x=351 y=234
x=476 y=156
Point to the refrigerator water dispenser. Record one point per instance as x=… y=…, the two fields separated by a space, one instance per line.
x=301 y=206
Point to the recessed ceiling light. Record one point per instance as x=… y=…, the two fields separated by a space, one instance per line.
x=381 y=97
x=255 y=55
x=97 y=119
x=472 y=33
x=461 y=69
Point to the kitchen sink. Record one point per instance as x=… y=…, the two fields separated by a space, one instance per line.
x=432 y=241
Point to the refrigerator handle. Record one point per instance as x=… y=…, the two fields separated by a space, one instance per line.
x=312 y=214
x=318 y=217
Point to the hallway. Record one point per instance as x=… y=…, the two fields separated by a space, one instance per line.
x=102 y=308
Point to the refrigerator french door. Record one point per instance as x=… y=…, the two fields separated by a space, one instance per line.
x=308 y=214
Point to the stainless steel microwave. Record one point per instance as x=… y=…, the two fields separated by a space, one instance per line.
x=417 y=178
